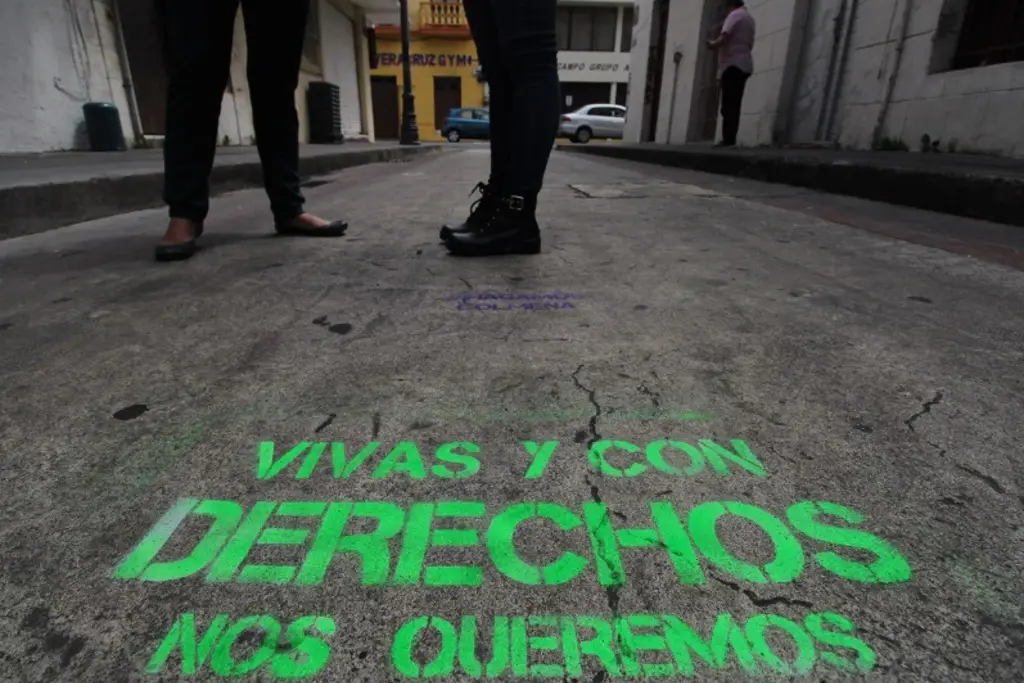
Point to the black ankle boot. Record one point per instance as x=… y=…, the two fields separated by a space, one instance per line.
x=510 y=228
x=478 y=211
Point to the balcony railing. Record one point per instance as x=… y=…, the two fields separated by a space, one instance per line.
x=443 y=18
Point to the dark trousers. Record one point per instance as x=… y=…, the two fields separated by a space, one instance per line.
x=197 y=43
x=733 y=82
x=517 y=48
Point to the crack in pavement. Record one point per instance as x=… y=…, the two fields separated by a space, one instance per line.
x=926 y=408
x=990 y=481
x=762 y=602
x=592 y=423
x=611 y=592
x=326 y=423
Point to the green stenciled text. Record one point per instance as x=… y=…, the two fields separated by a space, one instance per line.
x=381 y=543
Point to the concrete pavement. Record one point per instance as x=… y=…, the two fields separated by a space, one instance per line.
x=699 y=435
x=969 y=185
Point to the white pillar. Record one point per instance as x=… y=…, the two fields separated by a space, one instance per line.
x=619 y=17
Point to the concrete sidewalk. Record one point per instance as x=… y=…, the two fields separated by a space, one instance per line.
x=43 y=191
x=988 y=188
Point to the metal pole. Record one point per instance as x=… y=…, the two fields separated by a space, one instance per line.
x=410 y=134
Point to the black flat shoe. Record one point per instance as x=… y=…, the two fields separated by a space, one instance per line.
x=510 y=229
x=335 y=229
x=179 y=251
x=477 y=211
x=175 y=252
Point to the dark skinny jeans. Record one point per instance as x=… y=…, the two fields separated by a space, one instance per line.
x=517 y=48
x=197 y=48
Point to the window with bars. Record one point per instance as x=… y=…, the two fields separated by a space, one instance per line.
x=586 y=29
x=992 y=33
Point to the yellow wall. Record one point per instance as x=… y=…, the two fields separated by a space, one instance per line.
x=431 y=57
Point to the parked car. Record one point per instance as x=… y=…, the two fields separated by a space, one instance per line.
x=467 y=122
x=594 y=121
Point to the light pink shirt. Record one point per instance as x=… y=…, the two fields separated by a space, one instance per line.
x=737 y=50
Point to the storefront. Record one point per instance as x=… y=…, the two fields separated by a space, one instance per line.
x=443 y=78
x=593 y=78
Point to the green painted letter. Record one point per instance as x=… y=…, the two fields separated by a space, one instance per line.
x=183 y=634
x=817 y=625
x=598 y=460
x=503 y=551
x=226 y=516
x=224 y=665
x=805 y=654
x=449 y=452
x=405 y=642
x=789 y=556
x=890 y=567
x=309 y=653
x=656 y=457
x=717 y=455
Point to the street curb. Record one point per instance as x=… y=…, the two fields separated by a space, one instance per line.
x=30 y=209
x=972 y=195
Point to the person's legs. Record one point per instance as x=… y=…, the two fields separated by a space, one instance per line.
x=197 y=50
x=484 y=26
x=485 y=35
x=733 y=81
x=275 y=32
x=527 y=49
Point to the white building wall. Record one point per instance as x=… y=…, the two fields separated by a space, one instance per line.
x=978 y=108
x=59 y=54
x=679 y=83
x=637 y=82
x=763 y=102
x=338 y=39
x=56 y=56
x=797 y=47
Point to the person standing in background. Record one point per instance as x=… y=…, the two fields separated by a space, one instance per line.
x=518 y=52
x=197 y=46
x=735 y=45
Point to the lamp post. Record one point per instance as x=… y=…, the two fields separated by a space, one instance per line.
x=410 y=134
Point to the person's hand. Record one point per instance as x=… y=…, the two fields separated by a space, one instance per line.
x=711 y=45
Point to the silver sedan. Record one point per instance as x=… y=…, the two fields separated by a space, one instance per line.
x=594 y=121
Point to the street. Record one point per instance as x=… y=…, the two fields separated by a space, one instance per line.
x=716 y=430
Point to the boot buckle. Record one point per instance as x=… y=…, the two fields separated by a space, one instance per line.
x=516 y=203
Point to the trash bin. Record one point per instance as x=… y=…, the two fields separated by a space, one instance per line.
x=103 y=125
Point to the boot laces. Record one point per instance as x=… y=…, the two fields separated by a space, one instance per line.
x=479 y=209
x=504 y=205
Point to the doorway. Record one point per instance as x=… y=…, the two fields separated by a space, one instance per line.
x=384 y=96
x=447 y=96
x=143 y=28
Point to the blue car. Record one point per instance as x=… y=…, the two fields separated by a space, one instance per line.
x=473 y=123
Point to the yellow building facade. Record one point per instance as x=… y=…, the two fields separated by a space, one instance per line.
x=444 y=70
